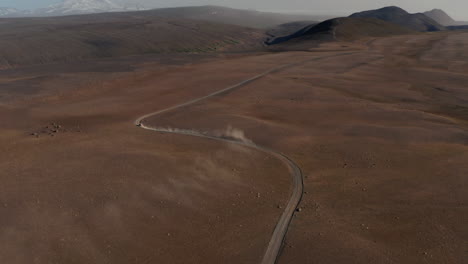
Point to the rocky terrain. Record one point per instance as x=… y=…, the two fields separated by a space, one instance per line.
x=373 y=112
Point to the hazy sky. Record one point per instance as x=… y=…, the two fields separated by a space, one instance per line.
x=456 y=8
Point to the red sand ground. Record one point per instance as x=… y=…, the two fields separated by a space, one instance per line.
x=381 y=135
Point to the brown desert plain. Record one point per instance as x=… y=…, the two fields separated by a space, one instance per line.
x=378 y=126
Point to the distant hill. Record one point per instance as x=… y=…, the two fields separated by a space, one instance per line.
x=40 y=40
x=396 y=15
x=26 y=41
x=343 y=29
x=240 y=17
x=441 y=17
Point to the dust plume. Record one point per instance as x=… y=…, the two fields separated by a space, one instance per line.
x=229 y=133
x=233 y=133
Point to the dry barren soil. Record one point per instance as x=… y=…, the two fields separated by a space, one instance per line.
x=379 y=128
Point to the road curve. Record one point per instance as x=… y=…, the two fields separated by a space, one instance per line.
x=274 y=247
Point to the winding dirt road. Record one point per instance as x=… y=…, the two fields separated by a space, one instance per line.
x=274 y=247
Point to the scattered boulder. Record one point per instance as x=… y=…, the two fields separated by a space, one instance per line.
x=53 y=128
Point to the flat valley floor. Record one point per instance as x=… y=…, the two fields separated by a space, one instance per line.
x=379 y=128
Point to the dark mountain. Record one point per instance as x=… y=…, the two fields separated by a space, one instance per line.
x=287 y=29
x=396 y=15
x=343 y=29
x=441 y=17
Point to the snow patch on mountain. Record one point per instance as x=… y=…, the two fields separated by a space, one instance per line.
x=82 y=6
x=7 y=11
x=74 y=7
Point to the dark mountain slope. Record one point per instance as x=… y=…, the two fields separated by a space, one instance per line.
x=461 y=27
x=396 y=15
x=287 y=29
x=343 y=29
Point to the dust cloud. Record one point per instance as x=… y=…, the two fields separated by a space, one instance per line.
x=229 y=133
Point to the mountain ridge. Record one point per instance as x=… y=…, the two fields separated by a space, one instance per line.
x=342 y=29
x=211 y=13
x=396 y=15
x=441 y=16
x=45 y=40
